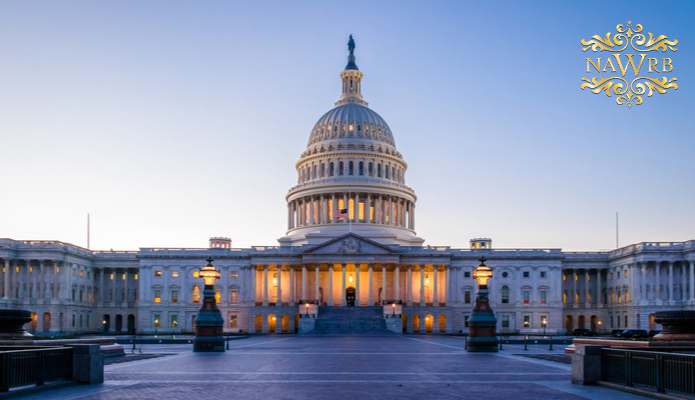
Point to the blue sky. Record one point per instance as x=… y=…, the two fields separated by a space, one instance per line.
x=174 y=121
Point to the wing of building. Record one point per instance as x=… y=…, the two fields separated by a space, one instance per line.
x=350 y=253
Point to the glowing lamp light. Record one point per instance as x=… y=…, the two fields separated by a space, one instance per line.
x=482 y=273
x=427 y=280
x=209 y=273
x=350 y=278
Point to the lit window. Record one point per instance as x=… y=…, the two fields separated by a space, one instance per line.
x=74 y=272
x=156 y=320
x=174 y=274
x=157 y=273
x=527 y=296
x=611 y=276
x=564 y=297
x=526 y=274
x=174 y=296
x=544 y=321
x=174 y=321
x=81 y=274
x=195 y=297
x=576 y=277
x=527 y=321
x=195 y=274
x=157 y=296
x=564 y=277
x=233 y=297
x=625 y=275
x=233 y=321
x=544 y=296
x=234 y=274
x=136 y=277
x=576 y=297
x=111 y=277
x=217 y=296
x=123 y=277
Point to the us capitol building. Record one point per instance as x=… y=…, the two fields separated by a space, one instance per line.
x=366 y=254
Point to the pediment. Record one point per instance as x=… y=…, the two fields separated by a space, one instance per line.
x=351 y=243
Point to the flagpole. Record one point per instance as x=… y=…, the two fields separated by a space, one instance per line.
x=87 y=231
x=348 y=207
x=617 y=242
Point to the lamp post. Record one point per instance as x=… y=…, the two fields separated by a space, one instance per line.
x=599 y=327
x=482 y=324
x=307 y=309
x=209 y=322
x=393 y=307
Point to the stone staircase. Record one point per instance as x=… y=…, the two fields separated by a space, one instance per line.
x=350 y=321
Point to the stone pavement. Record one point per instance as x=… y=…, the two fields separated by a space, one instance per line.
x=339 y=367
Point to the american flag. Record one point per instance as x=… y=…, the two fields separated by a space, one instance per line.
x=340 y=213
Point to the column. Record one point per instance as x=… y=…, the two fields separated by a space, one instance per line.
x=398 y=283
x=377 y=219
x=643 y=291
x=102 y=295
x=447 y=283
x=42 y=283
x=670 y=281
x=657 y=292
x=692 y=279
x=357 y=284
x=342 y=293
x=254 y=285
x=412 y=217
x=599 y=299
x=370 y=300
x=586 y=288
x=265 y=285
x=574 y=287
x=356 y=208
x=304 y=282
x=383 y=283
x=292 y=294
x=409 y=287
x=6 y=292
x=684 y=275
x=390 y=213
x=334 y=207
x=346 y=206
x=435 y=293
x=330 y=284
x=316 y=290
x=125 y=286
x=289 y=215
x=278 y=294
x=311 y=210
x=422 y=285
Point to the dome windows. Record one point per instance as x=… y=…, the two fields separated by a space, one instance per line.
x=331 y=169
x=351 y=127
x=361 y=168
x=340 y=168
x=351 y=170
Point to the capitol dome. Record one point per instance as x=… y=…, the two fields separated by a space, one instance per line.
x=351 y=178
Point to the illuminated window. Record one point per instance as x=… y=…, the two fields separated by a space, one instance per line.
x=612 y=297
x=156 y=320
x=195 y=296
x=626 y=296
x=361 y=210
x=174 y=321
x=351 y=209
x=611 y=276
x=157 y=273
x=234 y=274
x=174 y=274
x=544 y=296
x=136 y=277
x=564 y=277
x=174 y=296
x=157 y=296
x=544 y=321
x=527 y=296
x=564 y=297
x=233 y=321
x=217 y=296
x=625 y=275
x=233 y=297
x=576 y=277
x=111 y=277
x=351 y=127
x=74 y=272
x=196 y=274
x=527 y=321
x=576 y=297
x=123 y=277
x=81 y=274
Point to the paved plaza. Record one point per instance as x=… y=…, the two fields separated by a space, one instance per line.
x=339 y=367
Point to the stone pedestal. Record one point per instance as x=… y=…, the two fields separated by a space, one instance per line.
x=482 y=326
x=87 y=363
x=586 y=364
x=306 y=325
x=209 y=324
x=12 y=323
x=394 y=324
x=677 y=325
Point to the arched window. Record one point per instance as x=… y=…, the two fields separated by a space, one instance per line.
x=340 y=168
x=386 y=171
x=505 y=295
x=351 y=168
x=323 y=170
x=370 y=169
x=234 y=296
x=313 y=174
x=195 y=296
x=378 y=170
x=361 y=168
x=393 y=173
x=331 y=169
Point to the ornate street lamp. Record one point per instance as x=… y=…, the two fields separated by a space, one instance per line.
x=482 y=324
x=209 y=322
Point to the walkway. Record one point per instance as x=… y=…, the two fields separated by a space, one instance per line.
x=339 y=367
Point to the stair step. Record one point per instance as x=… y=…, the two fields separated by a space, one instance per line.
x=350 y=321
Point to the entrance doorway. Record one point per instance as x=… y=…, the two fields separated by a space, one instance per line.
x=350 y=296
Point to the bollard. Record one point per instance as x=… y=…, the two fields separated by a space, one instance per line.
x=227 y=340
x=465 y=343
x=526 y=342
x=551 y=343
x=500 y=342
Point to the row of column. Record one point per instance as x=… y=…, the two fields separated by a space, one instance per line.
x=109 y=286
x=266 y=269
x=320 y=209
x=685 y=276
x=21 y=280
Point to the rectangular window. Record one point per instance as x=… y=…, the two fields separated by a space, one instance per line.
x=87 y=320
x=526 y=274
x=618 y=320
x=626 y=321
x=111 y=277
x=527 y=296
x=73 y=319
x=564 y=277
x=466 y=274
x=544 y=296
x=74 y=272
x=505 y=321
x=611 y=321
x=544 y=321
x=136 y=277
x=174 y=321
x=527 y=321
x=81 y=274
x=467 y=297
x=174 y=274
x=217 y=296
x=73 y=294
x=611 y=276
x=235 y=274
x=564 y=298
x=81 y=320
x=233 y=321
x=233 y=297
x=157 y=273
x=157 y=296
x=543 y=274
x=625 y=275
x=174 y=296
x=156 y=321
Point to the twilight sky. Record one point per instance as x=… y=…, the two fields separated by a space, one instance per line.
x=174 y=121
